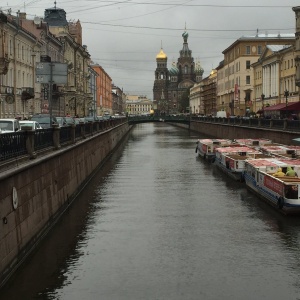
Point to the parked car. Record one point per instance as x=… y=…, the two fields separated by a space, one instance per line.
x=106 y=117
x=89 y=119
x=9 y=125
x=70 y=121
x=44 y=120
x=79 y=120
x=33 y=124
x=61 y=121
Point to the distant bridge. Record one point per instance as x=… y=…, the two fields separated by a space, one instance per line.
x=145 y=119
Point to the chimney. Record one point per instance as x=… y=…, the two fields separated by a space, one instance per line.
x=22 y=15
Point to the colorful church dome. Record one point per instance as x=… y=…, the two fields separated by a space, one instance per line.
x=198 y=69
x=185 y=34
x=161 y=54
x=174 y=70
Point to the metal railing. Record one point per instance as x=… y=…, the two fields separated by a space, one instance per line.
x=278 y=124
x=12 y=145
x=25 y=143
x=152 y=118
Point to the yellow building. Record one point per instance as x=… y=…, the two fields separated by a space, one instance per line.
x=235 y=77
x=195 y=99
x=138 y=105
x=274 y=77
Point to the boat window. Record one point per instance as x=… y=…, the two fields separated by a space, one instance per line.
x=291 y=191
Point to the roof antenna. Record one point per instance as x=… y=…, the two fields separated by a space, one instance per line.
x=55 y=4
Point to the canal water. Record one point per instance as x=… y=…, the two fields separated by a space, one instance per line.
x=157 y=222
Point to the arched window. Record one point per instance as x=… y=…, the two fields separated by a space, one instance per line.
x=185 y=69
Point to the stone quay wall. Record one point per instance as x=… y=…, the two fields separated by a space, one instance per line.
x=35 y=194
x=230 y=131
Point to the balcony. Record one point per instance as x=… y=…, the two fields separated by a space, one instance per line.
x=27 y=93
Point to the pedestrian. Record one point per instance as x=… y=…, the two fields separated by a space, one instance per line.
x=279 y=173
x=290 y=171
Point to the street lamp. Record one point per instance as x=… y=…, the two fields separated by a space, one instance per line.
x=262 y=100
x=286 y=94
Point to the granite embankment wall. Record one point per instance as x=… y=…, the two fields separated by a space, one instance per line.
x=230 y=131
x=35 y=194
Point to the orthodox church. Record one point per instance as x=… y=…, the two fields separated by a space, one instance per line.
x=172 y=85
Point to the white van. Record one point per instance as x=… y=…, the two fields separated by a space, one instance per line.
x=221 y=114
x=9 y=125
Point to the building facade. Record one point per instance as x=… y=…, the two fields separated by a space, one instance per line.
x=51 y=40
x=195 y=99
x=19 y=51
x=209 y=94
x=75 y=95
x=104 y=95
x=235 y=76
x=275 y=77
x=139 y=105
x=118 y=98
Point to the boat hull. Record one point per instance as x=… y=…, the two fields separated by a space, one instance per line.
x=282 y=205
x=236 y=175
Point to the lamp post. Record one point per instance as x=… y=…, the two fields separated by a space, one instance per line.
x=262 y=100
x=286 y=94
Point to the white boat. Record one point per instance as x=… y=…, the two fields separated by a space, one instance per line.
x=206 y=147
x=253 y=142
x=280 y=192
x=283 y=151
x=231 y=159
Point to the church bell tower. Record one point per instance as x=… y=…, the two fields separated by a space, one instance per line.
x=160 y=88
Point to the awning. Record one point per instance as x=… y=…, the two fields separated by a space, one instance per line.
x=283 y=106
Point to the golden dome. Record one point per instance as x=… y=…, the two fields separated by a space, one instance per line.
x=161 y=54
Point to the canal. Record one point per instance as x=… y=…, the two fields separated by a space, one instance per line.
x=158 y=223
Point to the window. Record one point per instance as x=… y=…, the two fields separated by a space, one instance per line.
x=248 y=64
x=247 y=79
x=247 y=96
x=248 y=50
x=259 y=49
x=10 y=47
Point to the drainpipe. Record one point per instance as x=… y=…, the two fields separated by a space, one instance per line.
x=15 y=61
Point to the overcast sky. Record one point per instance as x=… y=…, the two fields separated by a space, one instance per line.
x=124 y=37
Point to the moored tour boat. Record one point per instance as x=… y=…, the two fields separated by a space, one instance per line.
x=253 y=142
x=281 y=150
x=206 y=147
x=280 y=192
x=231 y=160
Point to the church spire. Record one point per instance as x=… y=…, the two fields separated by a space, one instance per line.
x=185 y=52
